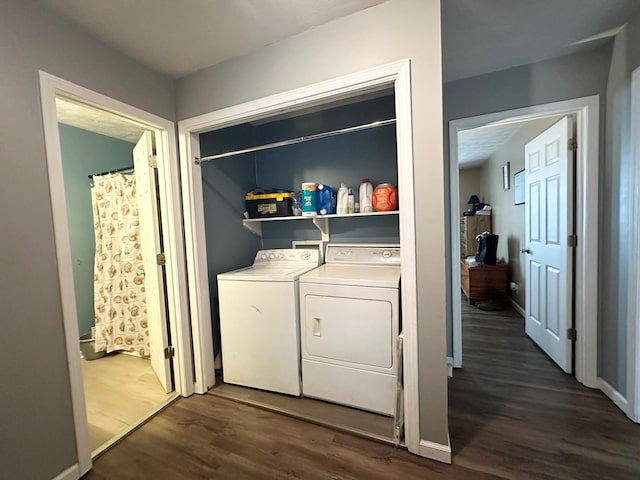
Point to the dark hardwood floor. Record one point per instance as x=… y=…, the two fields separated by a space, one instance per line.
x=513 y=415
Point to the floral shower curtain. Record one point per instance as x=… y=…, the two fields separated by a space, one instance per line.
x=119 y=298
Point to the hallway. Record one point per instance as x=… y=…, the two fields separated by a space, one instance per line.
x=514 y=414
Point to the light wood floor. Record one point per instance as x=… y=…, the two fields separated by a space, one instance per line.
x=120 y=390
x=513 y=415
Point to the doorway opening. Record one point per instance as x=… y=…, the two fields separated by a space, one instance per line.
x=585 y=111
x=112 y=184
x=112 y=233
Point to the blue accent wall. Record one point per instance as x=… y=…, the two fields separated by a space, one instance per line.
x=333 y=160
x=85 y=153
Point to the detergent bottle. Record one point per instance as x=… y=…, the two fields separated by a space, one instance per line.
x=343 y=191
x=366 y=194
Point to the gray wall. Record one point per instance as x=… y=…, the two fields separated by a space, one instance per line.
x=85 y=153
x=564 y=78
x=388 y=32
x=470 y=183
x=615 y=197
x=37 y=436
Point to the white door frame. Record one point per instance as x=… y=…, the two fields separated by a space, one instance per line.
x=50 y=87
x=586 y=110
x=633 y=308
x=396 y=75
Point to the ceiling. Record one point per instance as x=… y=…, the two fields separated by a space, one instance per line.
x=98 y=121
x=478 y=36
x=482 y=36
x=177 y=38
x=476 y=146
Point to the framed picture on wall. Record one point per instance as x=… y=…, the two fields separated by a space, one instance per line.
x=505 y=177
x=518 y=188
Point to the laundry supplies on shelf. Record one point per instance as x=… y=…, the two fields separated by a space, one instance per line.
x=341 y=206
x=267 y=204
x=308 y=197
x=385 y=198
x=325 y=200
x=366 y=194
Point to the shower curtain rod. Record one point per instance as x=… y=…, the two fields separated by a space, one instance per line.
x=293 y=141
x=117 y=170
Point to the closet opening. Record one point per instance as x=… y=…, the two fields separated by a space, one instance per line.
x=221 y=242
x=333 y=144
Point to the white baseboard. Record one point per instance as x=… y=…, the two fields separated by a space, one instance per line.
x=615 y=396
x=71 y=473
x=436 y=451
x=517 y=308
x=449 y=367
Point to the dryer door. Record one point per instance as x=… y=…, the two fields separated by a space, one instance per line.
x=348 y=330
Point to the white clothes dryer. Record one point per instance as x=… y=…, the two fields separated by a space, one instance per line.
x=259 y=324
x=350 y=322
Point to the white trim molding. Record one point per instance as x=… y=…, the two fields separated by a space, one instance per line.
x=517 y=307
x=397 y=75
x=614 y=395
x=50 y=88
x=587 y=111
x=633 y=306
x=436 y=451
x=71 y=473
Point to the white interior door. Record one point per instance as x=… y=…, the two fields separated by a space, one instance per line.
x=548 y=260
x=146 y=194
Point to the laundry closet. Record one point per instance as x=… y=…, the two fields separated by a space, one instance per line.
x=338 y=143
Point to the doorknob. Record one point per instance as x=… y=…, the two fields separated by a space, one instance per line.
x=525 y=250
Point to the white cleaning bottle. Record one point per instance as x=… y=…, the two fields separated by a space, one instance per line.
x=351 y=205
x=341 y=205
x=366 y=194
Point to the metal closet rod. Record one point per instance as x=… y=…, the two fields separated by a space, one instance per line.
x=293 y=141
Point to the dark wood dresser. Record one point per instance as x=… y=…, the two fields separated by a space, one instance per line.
x=484 y=282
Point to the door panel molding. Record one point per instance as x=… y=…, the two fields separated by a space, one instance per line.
x=555 y=207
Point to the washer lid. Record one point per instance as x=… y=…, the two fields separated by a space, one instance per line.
x=386 y=276
x=267 y=273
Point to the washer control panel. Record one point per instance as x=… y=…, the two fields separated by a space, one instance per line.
x=287 y=256
x=364 y=254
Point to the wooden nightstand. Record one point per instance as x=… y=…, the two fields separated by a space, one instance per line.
x=483 y=282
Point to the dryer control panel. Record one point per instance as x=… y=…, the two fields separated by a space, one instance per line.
x=287 y=256
x=366 y=254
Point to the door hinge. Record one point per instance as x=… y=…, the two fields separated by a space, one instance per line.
x=153 y=163
x=573 y=144
x=169 y=352
x=161 y=259
x=572 y=240
x=571 y=334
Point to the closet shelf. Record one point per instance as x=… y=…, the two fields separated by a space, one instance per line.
x=320 y=221
x=293 y=141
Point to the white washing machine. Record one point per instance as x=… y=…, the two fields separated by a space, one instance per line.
x=350 y=322
x=259 y=324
